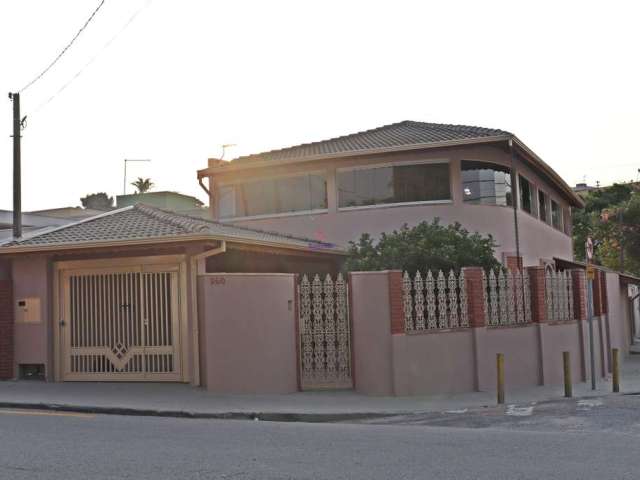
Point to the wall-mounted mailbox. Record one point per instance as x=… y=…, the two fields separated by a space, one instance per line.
x=28 y=310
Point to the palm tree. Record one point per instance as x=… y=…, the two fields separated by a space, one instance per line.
x=143 y=185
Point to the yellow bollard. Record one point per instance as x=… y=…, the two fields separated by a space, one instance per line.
x=500 y=367
x=568 y=388
x=616 y=369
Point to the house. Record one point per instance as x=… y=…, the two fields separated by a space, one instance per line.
x=174 y=201
x=376 y=180
x=114 y=296
x=36 y=220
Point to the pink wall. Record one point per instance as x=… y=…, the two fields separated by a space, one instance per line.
x=618 y=314
x=371 y=333
x=558 y=338
x=248 y=332
x=426 y=363
x=519 y=344
x=32 y=345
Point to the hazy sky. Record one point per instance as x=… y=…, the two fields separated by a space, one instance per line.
x=187 y=76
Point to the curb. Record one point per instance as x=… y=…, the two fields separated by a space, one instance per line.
x=256 y=416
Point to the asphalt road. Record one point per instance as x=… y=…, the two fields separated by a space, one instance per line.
x=46 y=445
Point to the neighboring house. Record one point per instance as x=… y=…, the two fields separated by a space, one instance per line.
x=583 y=189
x=38 y=220
x=174 y=201
x=377 y=180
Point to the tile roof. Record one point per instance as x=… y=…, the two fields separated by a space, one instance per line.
x=143 y=222
x=399 y=134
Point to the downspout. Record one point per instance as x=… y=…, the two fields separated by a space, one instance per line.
x=515 y=198
x=194 y=306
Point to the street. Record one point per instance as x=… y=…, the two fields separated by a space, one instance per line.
x=573 y=439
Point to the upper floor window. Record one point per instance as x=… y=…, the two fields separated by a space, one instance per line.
x=422 y=182
x=543 y=207
x=526 y=195
x=556 y=215
x=486 y=183
x=273 y=196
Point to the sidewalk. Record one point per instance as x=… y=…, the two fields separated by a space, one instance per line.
x=179 y=400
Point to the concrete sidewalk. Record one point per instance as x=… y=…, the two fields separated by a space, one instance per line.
x=179 y=400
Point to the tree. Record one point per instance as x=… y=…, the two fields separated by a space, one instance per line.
x=427 y=245
x=143 y=185
x=611 y=217
x=97 y=201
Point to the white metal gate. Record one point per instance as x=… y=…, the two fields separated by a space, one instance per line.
x=325 y=333
x=121 y=324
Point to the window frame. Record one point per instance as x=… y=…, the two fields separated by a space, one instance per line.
x=316 y=211
x=547 y=207
x=512 y=173
x=533 y=194
x=561 y=209
x=370 y=166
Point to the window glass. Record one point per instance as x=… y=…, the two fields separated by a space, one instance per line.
x=395 y=184
x=542 y=206
x=273 y=196
x=556 y=215
x=486 y=183
x=526 y=191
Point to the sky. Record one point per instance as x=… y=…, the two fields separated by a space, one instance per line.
x=185 y=77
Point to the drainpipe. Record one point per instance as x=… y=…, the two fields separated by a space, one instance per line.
x=515 y=198
x=194 y=306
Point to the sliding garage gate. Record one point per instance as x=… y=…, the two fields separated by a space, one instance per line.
x=121 y=324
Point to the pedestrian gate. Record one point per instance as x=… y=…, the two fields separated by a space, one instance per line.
x=121 y=324
x=325 y=333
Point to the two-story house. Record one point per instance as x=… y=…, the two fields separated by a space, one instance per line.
x=377 y=180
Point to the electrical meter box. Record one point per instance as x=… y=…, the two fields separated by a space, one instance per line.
x=28 y=310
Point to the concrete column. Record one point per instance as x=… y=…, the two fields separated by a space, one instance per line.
x=477 y=317
x=538 y=314
x=579 y=280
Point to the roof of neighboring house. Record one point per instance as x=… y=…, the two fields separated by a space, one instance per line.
x=395 y=137
x=68 y=213
x=399 y=134
x=142 y=224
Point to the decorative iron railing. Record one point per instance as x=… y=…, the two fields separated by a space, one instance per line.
x=434 y=301
x=558 y=296
x=325 y=339
x=507 y=298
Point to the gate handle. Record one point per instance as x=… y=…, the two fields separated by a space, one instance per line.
x=62 y=323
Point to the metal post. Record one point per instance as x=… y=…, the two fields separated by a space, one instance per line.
x=17 y=180
x=616 y=369
x=591 y=340
x=500 y=368
x=566 y=361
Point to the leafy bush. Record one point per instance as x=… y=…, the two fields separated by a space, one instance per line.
x=427 y=245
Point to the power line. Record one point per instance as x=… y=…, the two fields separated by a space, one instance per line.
x=92 y=59
x=65 y=48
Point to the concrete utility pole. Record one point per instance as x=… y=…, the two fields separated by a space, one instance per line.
x=17 y=193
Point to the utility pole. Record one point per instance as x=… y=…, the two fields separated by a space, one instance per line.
x=17 y=194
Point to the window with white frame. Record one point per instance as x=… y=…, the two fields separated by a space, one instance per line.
x=420 y=182
x=543 y=206
x=272 y=196
x=526 y=195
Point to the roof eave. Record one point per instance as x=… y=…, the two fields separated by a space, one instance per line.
x=245 y=165
x=162 y=241
x=576 y=200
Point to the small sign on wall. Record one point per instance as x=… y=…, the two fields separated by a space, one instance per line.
x=28 y=310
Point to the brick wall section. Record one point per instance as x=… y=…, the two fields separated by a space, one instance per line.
x=538 y=306
x=597 y=299
x=514 y=263
x=395 y=301
x=579 y=279
x=475 y=296
x=603 y=292
x=6 y=330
